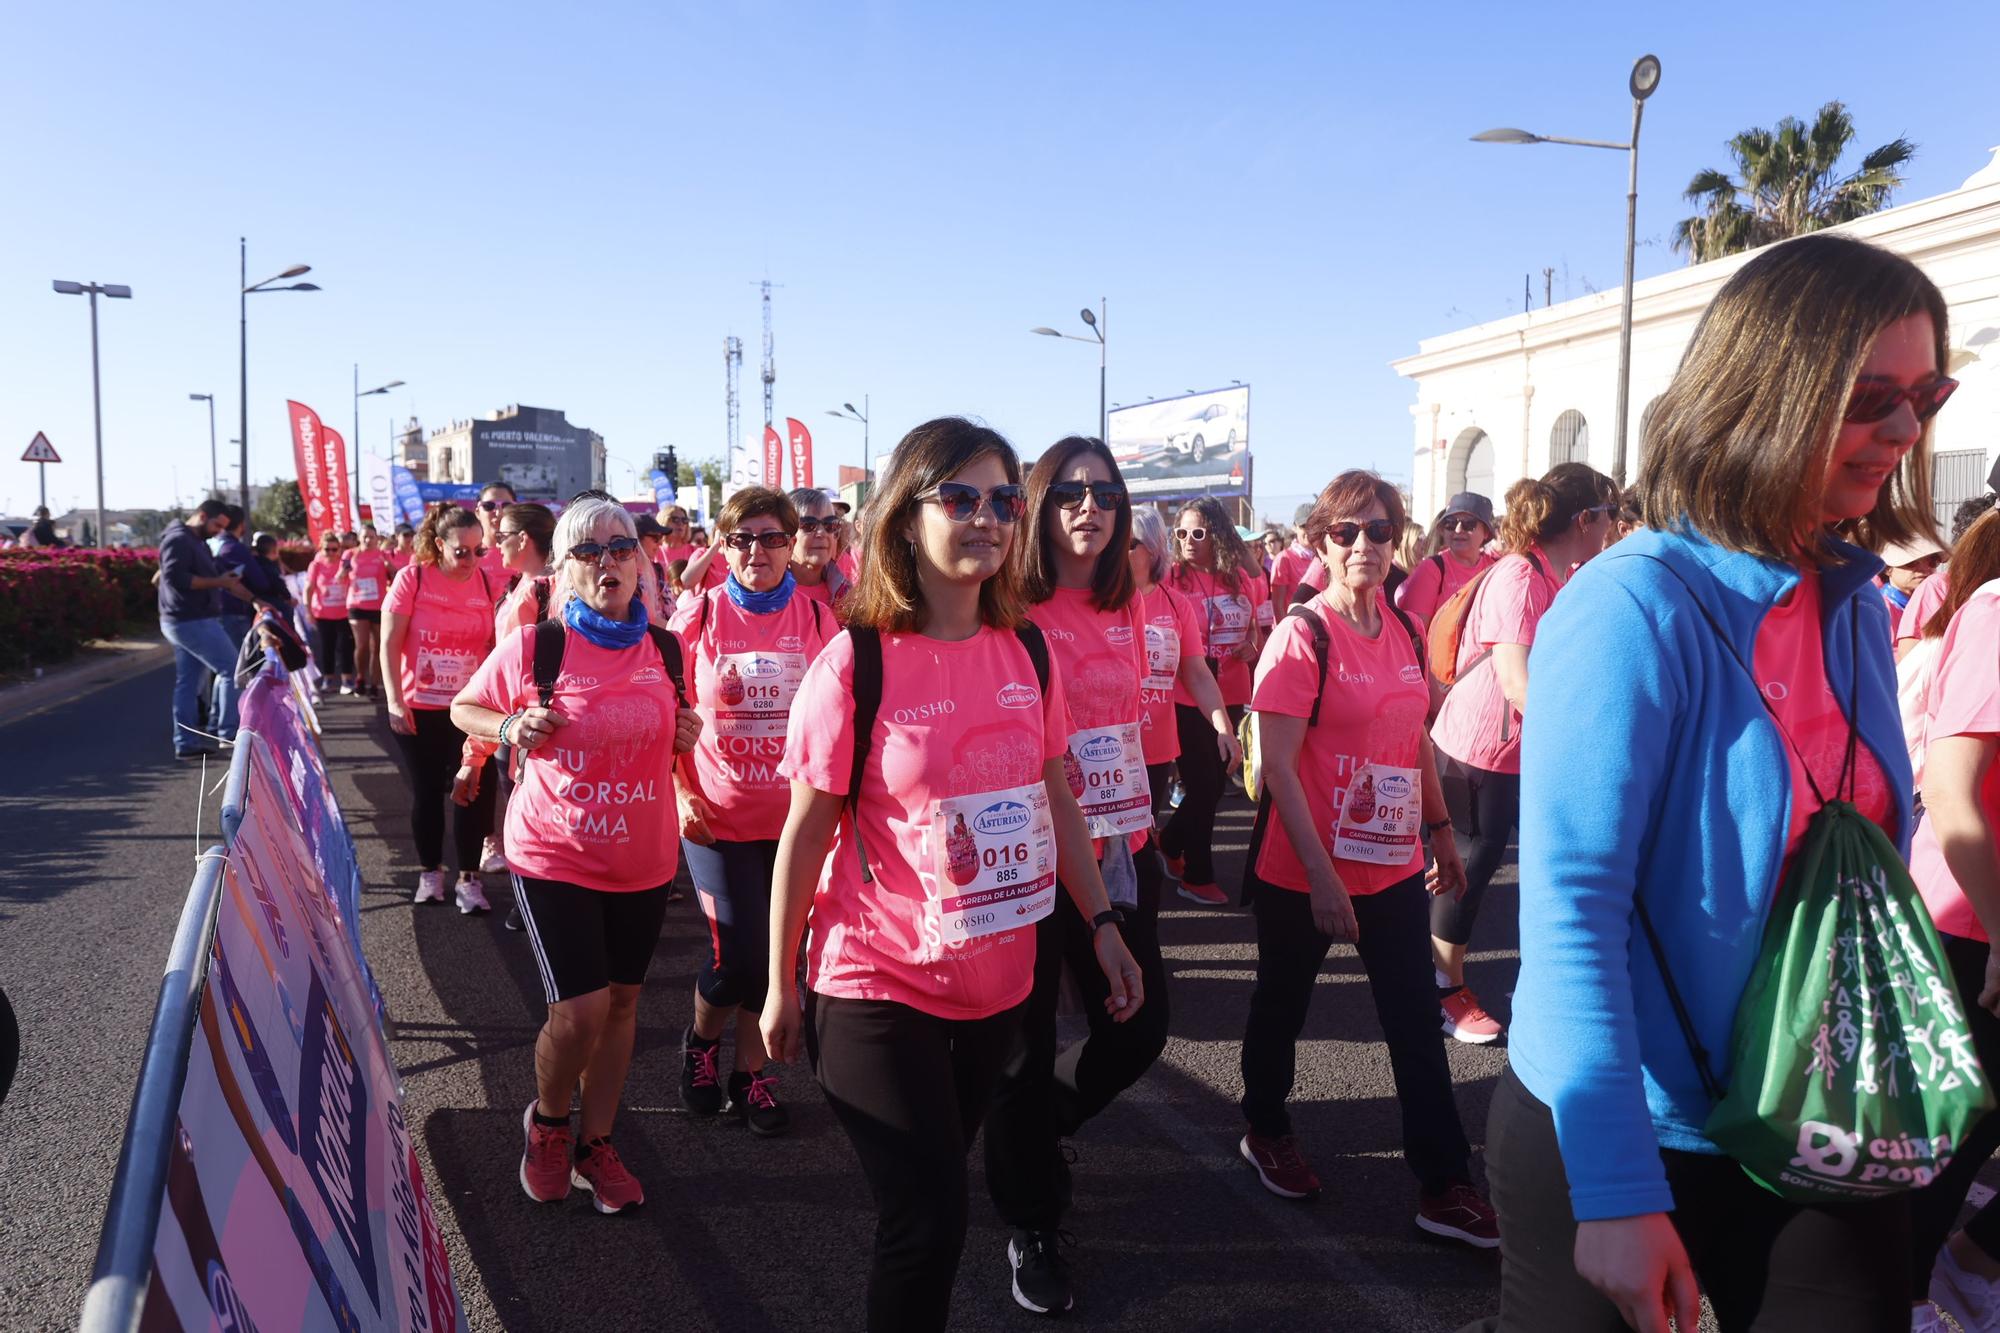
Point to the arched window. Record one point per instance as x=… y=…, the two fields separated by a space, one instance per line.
x=1569 y=439
x=1471 y=463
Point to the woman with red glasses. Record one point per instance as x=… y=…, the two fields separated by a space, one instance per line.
x=930 y=810
x=1219 y=574
x=1552 y=526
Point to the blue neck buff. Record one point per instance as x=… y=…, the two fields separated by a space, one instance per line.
x=1896 y=596
x=761 y=603
x=601 y=629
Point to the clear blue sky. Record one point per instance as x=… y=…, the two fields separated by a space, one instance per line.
x=569 y=205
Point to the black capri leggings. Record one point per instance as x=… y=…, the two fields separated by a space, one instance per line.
x=333 y=648
x=1191 y=832
x=432 y=758
x=1485 y=808
x=733 y=882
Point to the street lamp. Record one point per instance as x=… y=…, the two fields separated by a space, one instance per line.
x=93 y=290
x=1644 y=82
x=243 y=341
x=359 y=394
x=850 y=413
x=1096 y=322
x=214 y=472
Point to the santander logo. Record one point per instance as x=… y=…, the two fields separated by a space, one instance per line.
x=1016 y=695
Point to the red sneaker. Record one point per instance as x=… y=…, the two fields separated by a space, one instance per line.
x=1466 y=1021
x=1205 y=894
x=1462 y=1214
x=1280 y=1165
x=612 y=1188
x=545 y=1162
x=1176 y=865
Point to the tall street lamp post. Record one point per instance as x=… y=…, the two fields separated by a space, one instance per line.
x=243 y=341
x=1095 y=321
x=93 y=290
x=359 y=394
x=214 y=470
x=1644 y=81
x=849 y=412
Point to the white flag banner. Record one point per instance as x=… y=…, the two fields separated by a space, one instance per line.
x=378 y=492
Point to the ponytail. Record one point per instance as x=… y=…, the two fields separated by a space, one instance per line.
x=444 y=517
x=1539 y=510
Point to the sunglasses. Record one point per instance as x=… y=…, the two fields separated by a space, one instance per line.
x=770 y=541
x=1380 y=531
x=508 y=534
x=1873 y=400
x=467 y=552
x=1192 y=534
x=591 y=553
x=961 y=502
x=1609 y=511
x=1462 y=525
x=493 y=506
x=807 y=523
x=1069 y=494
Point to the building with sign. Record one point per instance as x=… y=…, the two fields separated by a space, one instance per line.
x=1516 y=396
x=533 y=449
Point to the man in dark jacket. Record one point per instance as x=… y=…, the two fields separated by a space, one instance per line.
x=191 y=592
x=233 y=557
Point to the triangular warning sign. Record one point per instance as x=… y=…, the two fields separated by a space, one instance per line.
x=40 y=450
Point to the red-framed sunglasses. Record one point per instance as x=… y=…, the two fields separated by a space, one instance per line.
x=1875 y=400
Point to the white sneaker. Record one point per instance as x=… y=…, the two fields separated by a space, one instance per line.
x=430 y=887
x=472 y=897
x=1972 y=1300
x=345 y=688
x=491 y=860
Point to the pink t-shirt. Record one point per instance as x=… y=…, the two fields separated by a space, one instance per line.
x=368 y=583
x=956 y=720
x=1101 y=657
x=1477 y=725
x=451 y=628
x=1431 y=584
x=1924 y=602
x=1363 y=758
x=327 y=586
x=1227 y=619
x=1289 y=568
x=398 y=562
x=1964 y=701
x=595 y=805
x=1171 y=633
x=490 y=559
x=745 y=672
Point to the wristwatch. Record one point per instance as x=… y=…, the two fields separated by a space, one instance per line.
x=1110 y=916
x=1438 y=827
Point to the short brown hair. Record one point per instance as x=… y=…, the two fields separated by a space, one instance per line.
x=1346 y=495
x=1111 y=579
x=1739 y=445
x=756 y=502
x=1539 y=510
x=887 y=598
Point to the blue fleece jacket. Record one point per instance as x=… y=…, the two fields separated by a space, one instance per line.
x=1651 y=766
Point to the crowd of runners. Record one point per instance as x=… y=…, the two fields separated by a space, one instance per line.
x=933 y=769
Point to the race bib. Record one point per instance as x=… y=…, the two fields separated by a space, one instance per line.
x=335 y=594
x=1163 y=657
x=1267 y=615
x=441 y=674
x=1106 y=768
x=1228 y=621
x=754 y=693
x=1377 y=823
x=994 y=862
x=367 y=590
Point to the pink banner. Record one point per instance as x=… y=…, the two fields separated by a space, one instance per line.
x=321 y=456
x=774 y=459
x=802 y=453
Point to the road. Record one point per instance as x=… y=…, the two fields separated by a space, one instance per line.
x=98 y=832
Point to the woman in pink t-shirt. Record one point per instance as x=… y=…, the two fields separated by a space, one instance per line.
x=925 y=847
x=590 y=833
x=816 y=558
x=1217 y=573
x=1338 y=854
x=748 y=645
x=494 y=497
x=327 y=582
x=1465 y=529
x=437 y=626
x=1173 y=634
x=1552 y=527
x=369 y=574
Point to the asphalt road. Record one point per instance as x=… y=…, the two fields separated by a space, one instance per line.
x=97 y=843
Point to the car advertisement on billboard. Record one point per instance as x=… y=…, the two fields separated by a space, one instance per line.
x=1196 y=444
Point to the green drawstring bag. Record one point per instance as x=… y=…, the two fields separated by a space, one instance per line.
x=1854 y=1070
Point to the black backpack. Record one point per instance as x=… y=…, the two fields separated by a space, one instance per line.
x=551 y=637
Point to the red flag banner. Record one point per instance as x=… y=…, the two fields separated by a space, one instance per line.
x=774 y=459
x=802 y=453
x=322 y=463
x=339 y=483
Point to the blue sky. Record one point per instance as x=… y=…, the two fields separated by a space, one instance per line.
x=570 y=205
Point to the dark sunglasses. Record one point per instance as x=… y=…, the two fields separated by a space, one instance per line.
x=1609 y=511
x=591 y=553
x=1192 y=534
x=1380 y=531
x=493 y=506
x=770 y=541
x=1069 y=494
x=961 y=502
x=1873 y=400
x=468 y=552
x=1462 y=525
x=807 y=523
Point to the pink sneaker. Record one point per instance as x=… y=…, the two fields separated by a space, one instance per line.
x=612 y=1188
x=1466 y=1021
x=1208 y=895
x=1462 y=1214
x=545 y=1161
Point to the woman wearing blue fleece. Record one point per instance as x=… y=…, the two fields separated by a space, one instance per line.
x=1685 y=684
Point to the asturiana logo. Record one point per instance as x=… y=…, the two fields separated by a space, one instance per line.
x=1118 y=636
x=1001 y=817
x=791 y=643
x=1100 y=750
x=762 y=668
x=1016 y=695
x=1412 y=675
x=1393 y=788
x=647 y=676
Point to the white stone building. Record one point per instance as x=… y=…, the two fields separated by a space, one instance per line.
x=1514 y=397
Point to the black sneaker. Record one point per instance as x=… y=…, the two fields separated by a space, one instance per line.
x=700 y=1093
x=513 y=921
x=1041 y=1274
x=753 y=1100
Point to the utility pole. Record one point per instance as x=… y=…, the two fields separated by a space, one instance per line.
x=770 y=364
x=732 y=367
x=1548 y=287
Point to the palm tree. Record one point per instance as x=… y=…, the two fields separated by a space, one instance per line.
x=1785 y=186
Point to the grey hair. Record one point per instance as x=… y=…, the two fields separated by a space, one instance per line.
x=1151 y=530
x=812 y=500
x=579 y=524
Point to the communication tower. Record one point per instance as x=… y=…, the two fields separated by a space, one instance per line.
x=770 y=365
x=732 y=366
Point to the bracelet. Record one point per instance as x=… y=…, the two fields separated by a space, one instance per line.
x=505 y=722
x=1439 y=826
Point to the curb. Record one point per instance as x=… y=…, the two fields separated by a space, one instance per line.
x=107 y=662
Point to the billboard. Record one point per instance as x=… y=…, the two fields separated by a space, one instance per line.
x=1196 y=444
x=536 y=451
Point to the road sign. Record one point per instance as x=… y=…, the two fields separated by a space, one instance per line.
x=41 y=451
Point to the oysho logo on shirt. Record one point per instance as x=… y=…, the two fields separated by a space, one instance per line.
x=1016 y=695
x=925 y=712
x=651 y=675
x=576 y=682
x=1118 y=636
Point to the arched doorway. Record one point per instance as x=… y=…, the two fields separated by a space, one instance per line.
x=1569 y=439
x=1470 y=467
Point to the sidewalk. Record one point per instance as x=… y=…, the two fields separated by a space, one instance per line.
x=101 y=663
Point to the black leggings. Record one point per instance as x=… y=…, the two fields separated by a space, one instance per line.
x=1191 y=832
x=1933 y=1210
x=1485 y=808
x=1768 y=1266
x=1046 y=1095
x=910 y=1090
x=1396 y=955
x=432 y=758
x=333 y=648
x=1160 y=781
